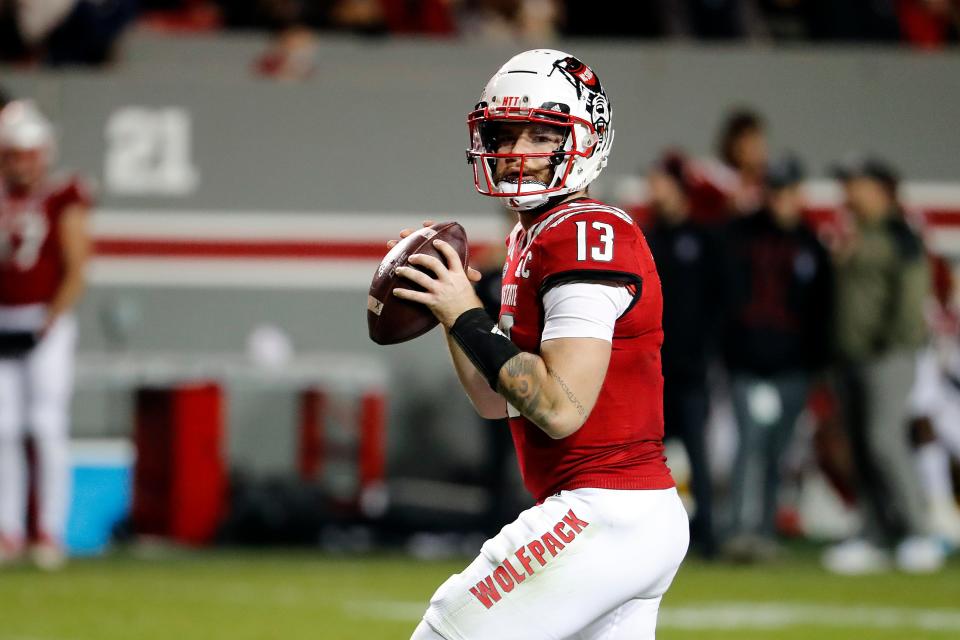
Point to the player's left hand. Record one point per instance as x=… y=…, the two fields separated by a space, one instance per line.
x=472 y=274
x=449 y=292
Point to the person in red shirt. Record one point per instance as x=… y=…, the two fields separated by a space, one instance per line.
x=732 y=185
x=44 y=244
x=574 y=363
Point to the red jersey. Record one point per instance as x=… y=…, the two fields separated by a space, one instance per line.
x=620 y=446
x=31 y=258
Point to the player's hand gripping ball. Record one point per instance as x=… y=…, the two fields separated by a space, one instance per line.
x=392 y=319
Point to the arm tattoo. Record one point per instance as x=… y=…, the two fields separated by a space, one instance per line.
x=572 y=398
x=518 y=384
x=522 y=389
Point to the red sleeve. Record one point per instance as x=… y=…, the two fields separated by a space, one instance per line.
x=589 y=245
x=70 y=193
x=78 y=192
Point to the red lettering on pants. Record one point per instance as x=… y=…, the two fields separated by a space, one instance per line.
x=537 y=549
x=554 y=546
x=486 y=593
x=566 y=537
x=524 y=560
x=575 y=523
x=503 y=579
x=516 y=575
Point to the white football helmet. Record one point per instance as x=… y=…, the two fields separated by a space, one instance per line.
x=23 y=126
x=549 y=87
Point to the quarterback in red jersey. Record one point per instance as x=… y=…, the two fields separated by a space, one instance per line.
x=574 y=362
x=43 y=252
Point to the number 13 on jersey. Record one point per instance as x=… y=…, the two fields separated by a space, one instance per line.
x=601 y=247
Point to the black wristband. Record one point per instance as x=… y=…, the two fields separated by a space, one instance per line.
x=484 y=343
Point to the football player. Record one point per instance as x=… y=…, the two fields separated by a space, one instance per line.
x=935 y=405
x=44 y=246
x=574 y=363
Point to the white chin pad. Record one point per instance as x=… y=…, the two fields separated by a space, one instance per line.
x=523 y=202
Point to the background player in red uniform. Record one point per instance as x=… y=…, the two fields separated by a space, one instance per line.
x=44 y=246
x=574 y=362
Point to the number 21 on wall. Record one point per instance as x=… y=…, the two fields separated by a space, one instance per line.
x=602 y=252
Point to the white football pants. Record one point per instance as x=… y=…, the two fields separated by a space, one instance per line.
x=587 y=564
x=936 y=398
x=35 y=394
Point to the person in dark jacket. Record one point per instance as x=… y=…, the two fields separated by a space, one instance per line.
x=688 y=264
x=779 y=295
x=883 y=283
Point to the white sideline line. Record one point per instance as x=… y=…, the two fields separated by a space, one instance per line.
x=737 y=615
x=22 y=637
x=758 y=615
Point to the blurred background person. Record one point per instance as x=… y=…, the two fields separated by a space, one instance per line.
x=853 y=20
x=291 y=55
x=882 y=286
x=174 y=16
x=779 y=290
x=731 y=184
x=929 y=24
x=509 y=20
x=712 y=19
x=623 y=20
x=935 y=406
x=58 y=32
x=689 y=267
x=44 y=245
x=434 y=18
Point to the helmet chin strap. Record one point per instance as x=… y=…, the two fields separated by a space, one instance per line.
x=523 y=202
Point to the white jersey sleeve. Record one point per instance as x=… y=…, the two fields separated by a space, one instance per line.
x=583 y=310
x=926 y=394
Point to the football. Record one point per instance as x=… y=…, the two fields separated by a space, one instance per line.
x=390 y=319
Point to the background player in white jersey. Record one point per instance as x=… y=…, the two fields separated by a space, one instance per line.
x=574 y=364
x=44 y=246
x=935 y=405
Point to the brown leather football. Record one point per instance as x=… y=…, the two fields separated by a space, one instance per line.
x=390 y=319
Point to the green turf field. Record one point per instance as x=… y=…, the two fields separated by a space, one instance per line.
x=292 y=595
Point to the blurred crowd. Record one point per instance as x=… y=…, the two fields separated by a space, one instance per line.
x=87 y=31
x=840 y=315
